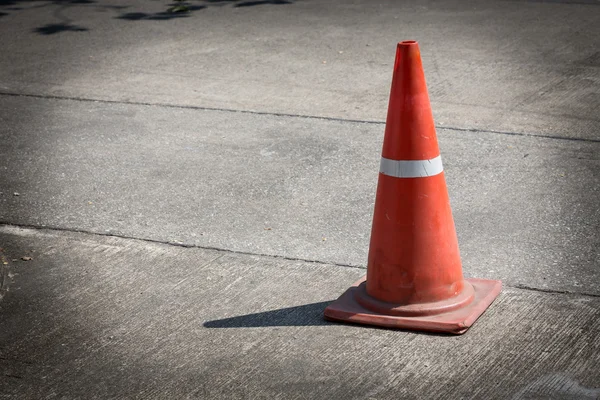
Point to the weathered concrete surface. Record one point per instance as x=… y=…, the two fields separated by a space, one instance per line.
x=100 y=317
x=525 y=66
x=526 y=208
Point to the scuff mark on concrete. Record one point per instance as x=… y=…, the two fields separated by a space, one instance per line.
x=557 y=385
x=4 y=274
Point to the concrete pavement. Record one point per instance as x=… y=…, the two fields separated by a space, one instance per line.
x=515 y=66
x=526 y=208
x=104 y=317
x=194 y=190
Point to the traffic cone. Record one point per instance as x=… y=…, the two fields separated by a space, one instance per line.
x=414 y=275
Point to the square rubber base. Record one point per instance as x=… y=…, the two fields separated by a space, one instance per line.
x=347 y=309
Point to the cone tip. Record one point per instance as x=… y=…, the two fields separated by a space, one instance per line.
x=408 y=43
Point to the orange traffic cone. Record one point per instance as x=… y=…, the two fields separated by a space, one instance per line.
x=414 y=274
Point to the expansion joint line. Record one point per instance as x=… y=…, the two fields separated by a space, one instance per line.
x=290 y=115
x=247 y=253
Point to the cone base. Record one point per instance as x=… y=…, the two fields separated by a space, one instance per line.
x=347 y=309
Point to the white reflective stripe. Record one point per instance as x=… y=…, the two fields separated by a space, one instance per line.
x=411 y=169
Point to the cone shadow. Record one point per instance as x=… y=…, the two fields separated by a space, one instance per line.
x=304 y=315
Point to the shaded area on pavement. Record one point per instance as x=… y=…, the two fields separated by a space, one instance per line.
x=304 y=315
x=171 y=10
x=124 y=318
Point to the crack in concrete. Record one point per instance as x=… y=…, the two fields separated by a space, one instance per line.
x=176 y=244
x=277 y=114
x=553 y=291
x=193 y=246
